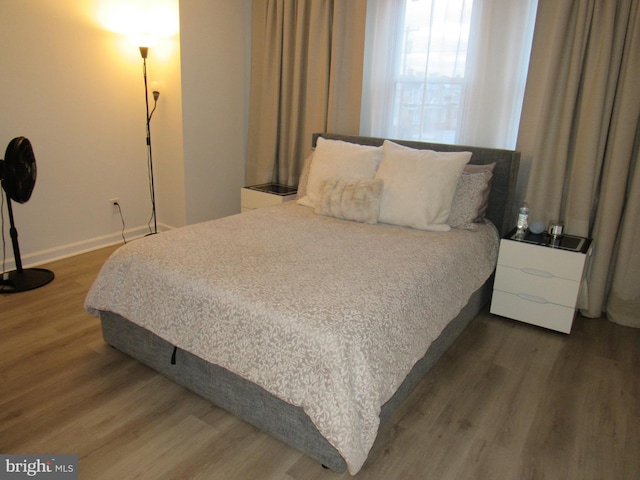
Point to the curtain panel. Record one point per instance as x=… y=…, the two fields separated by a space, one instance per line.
x=306 y=77
x=579 y=132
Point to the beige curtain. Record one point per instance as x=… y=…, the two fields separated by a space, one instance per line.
x=306 y=77
x=579 y=133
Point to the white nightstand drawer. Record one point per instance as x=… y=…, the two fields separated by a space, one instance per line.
x=537 y=283
x=529 y=310
x=559 y=263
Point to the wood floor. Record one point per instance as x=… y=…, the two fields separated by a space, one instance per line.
x=507 y=401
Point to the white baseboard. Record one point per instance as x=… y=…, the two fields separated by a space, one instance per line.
x=64 y=251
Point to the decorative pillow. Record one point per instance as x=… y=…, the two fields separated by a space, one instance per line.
x=468 y=199
x=477 y=168
x=356 y=200
x=418 y=186
x=304 y=177
x=489 y=167
x=335 y=159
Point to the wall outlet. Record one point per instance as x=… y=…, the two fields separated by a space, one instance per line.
x=115 y=205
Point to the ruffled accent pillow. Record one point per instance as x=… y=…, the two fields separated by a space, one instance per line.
x=355 y=200
x=488 y=167
x=467 y=206
x=418 y=186
x=336 y=159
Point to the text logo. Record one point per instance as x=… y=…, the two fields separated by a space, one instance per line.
x=46 y=467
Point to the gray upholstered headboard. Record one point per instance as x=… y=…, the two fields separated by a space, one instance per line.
x=501 y=201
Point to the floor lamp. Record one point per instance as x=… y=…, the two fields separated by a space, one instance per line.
x=144 y=51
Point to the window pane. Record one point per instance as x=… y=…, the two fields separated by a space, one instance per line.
x=429 y=86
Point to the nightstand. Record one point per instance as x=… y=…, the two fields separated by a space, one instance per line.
x=538 y=279
x=265 y=195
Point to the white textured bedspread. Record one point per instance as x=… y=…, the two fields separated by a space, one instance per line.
x=325 y=314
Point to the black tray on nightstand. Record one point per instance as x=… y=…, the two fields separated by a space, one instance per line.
x=571 y=243
x=274 y=189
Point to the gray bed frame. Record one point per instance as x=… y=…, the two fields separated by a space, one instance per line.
x=257 y=406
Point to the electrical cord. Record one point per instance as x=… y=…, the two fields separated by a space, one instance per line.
x=152 y=218
x=117 y=204
x=151 y=191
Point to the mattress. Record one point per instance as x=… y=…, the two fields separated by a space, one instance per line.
x=329 y=315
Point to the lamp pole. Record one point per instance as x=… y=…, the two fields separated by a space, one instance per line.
x=144 y=51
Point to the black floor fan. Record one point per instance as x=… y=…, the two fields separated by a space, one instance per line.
x=18 y=177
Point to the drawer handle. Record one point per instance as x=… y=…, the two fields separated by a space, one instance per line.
x=537 y=273
x=532 y=298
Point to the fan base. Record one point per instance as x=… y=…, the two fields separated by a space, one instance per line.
x=27 y=279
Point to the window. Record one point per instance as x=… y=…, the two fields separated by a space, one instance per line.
x=429 y=86
x=446 y=71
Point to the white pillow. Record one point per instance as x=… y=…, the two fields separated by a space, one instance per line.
x=338 y=160
x=418 y=186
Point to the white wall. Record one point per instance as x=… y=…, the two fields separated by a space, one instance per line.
x=75 y=90
x=215 y=43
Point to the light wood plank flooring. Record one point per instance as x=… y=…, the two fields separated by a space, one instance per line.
x=507 y=401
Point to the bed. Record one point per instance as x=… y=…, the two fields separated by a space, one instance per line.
x=315 y=322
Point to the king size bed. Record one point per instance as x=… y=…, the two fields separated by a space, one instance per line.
x=314 y=320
